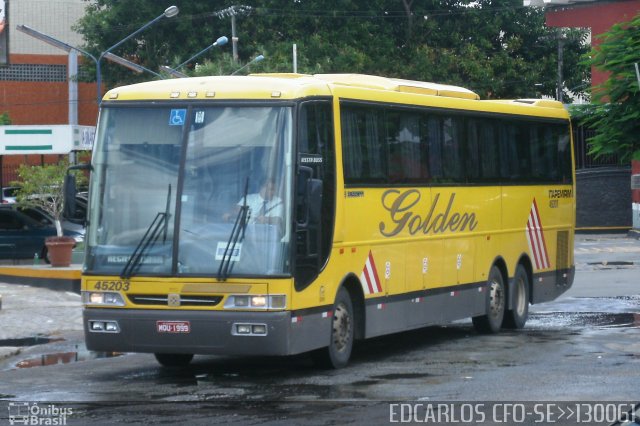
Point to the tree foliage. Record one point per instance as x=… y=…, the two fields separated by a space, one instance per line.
x=497 y=48
x=5 y=120
x=615 y=113
x=42 y=187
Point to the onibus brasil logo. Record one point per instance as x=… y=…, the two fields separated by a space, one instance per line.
x=30 y=413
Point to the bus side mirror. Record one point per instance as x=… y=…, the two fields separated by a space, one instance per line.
x=70 y=189
x=70 y=192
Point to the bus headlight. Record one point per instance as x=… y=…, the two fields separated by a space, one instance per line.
x=102 y=298
x=258 y=301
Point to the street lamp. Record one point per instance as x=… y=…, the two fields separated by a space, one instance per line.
x=137 y=68
x=172 y=72
x=253 y=61
x=57 y=44
x=221 y=41
x=169 y=12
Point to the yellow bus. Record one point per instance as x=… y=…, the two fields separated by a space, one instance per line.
x=277 y=214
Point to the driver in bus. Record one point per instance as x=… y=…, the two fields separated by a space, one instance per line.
x=264 y=206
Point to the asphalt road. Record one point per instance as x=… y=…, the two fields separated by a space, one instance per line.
x=582 y=348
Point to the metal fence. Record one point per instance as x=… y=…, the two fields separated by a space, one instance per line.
x=581 y=136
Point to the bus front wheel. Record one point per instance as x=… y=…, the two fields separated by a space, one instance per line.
x=496 y=299
x=337 y=354
x=174 y=360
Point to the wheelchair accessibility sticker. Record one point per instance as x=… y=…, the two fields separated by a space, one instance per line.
x=177 y=117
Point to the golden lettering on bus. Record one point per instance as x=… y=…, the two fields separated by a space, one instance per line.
x=402 y=214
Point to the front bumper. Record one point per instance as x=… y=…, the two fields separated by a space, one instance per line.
x=210 y=332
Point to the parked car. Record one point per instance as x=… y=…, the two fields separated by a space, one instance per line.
x=9 y=194
x=45 y=218
x=22 y=237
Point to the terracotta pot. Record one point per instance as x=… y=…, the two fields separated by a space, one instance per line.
x=59 y=250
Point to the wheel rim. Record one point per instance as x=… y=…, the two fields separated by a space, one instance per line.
x=341 y=327
x=496 y=295
x=521 y=302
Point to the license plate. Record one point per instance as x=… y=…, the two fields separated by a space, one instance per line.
x=173 y=326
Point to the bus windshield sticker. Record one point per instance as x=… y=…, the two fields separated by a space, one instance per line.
x=234 y=256
x=199 y=117
x=177 y=117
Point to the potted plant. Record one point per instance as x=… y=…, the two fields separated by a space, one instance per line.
x=43 y=187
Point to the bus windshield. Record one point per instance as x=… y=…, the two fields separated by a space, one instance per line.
x=170 y=184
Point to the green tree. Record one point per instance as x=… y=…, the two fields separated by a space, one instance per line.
x=5 y=120
x=615 y=113
x=497 y=48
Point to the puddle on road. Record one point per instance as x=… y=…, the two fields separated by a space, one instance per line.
x=29 y=341
x=63 y=358
x=401 y=376
x=581 y=319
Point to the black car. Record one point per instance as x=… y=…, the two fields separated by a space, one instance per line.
x=22 y=237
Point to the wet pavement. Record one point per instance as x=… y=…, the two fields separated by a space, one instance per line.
x=583 y=347
x=35 y=314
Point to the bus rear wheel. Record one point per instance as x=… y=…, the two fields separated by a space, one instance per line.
x=491 y=322
x=337 y=354
x=517 y=317
x=174 y=360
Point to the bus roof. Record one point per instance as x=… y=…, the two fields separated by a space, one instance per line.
x=295 y=86
x=289 y=86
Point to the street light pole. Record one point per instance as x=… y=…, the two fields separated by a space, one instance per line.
x=169 y=12
x=137 y=68
x=253 y=61
x=221 y=41
x=58 y=44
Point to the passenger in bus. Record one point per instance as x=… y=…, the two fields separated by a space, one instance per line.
x=264 y=206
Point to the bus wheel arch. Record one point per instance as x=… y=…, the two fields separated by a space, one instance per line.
x=352 y=284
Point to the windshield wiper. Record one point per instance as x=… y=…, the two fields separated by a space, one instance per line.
x=148 y=239
x=236 y=237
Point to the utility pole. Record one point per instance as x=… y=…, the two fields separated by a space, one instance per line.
x=560 y=61
x=234 y=38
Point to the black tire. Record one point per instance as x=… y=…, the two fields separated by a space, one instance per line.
x=337 y=354
x=516 y=318
x=496 y=299
x=174 y=360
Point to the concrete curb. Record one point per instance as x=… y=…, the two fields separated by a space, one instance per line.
x=44 y=276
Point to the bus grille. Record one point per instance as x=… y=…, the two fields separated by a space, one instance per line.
x=163 y=300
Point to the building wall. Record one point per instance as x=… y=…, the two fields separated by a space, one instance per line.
x=34 y=90
x=34 y=87
x=599 y=16
x=52 y=17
